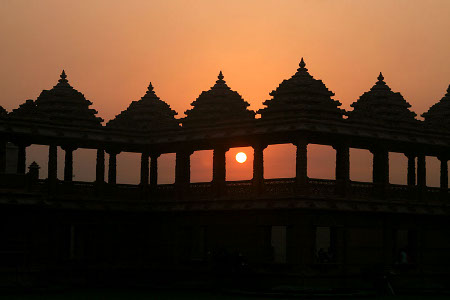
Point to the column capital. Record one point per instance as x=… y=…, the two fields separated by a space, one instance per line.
x=340 y=145
x=259 y=145
x=301 y=141
x=443 y=157
x=112 y=151
x=411 y=155
x=221 y=147
x=154 y=155
x=69 y=147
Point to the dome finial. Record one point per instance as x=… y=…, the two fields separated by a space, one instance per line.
x=63 y=78
x=220 y=78
x=150 y=87
x=302 y=64
x=380 y=77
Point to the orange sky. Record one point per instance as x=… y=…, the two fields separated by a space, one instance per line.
x=112 y=49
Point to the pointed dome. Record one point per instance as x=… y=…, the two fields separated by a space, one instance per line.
x=302 y=97
x=218 y=106
x=64 y=105
x=148 y=114
x=438 y=116
x=27 y=111
x=382 y=107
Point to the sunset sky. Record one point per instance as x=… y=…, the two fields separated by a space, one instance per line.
x=111 y=50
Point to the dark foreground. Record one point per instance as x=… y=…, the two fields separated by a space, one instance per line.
x=161 y=294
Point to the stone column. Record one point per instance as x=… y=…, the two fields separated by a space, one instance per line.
x=421 y=171
x=100 y=167
x=380 y=170
x=52 y=167
x=2 y=156
x=258 y=167
x=112 y=167
x=301 y=167
x=444 y=173
x=21 y=159
x=154 y=170
x=144 y=169
x=182 y=171
x=411 y=177
x=53 y=163
x=219 y=170
x=342 y=168
x=68 y=164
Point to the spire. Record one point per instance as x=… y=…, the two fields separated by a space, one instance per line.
x=381 y=78
x=63 y=82
x=220 y=78
x=150 y=87
x=63 y=77
x=302 y=66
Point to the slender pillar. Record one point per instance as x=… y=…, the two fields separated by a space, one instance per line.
x=144 y=168
x=52 y=168
x=258 y=167
x=21 y=159
x=2 y=156
x=301 y=168
x=100 y=166
x=219 y=169
x=444 y=173
x=342 y=168
x=68 y=164
x=182 y=171
x=52 y=163
x=154 y=170
x=421 y=172
x=112 y=167
x=380 y=169
x=411 y=177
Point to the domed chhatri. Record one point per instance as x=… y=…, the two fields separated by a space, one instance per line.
x=302 y=97
x=64 y=105
x=438 y=116
x=382 y=107
x=218 y=106
x=148 y=114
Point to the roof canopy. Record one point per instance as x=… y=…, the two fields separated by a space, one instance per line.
x=148 y=114
x=438 y=116
x=382 y=107
x=302 y=97
x=218 y=106
x=62 y=105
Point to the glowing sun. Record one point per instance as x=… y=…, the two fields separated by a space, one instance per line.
x=241 y=157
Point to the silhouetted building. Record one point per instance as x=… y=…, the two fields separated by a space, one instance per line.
x=313 y=230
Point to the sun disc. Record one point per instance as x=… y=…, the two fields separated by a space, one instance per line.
x=241 y=157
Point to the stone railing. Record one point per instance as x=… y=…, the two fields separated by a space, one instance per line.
x=273 y=188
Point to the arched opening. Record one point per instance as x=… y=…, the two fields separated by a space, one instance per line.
x=166 y=168
x=398 y=168
x=239 y=171
x=360 y=165
x=37 y=153
x=128 y=167
x=202 y=166
x=433 y=168
x=279 y=161
x=321 y=162
x=84 y=162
